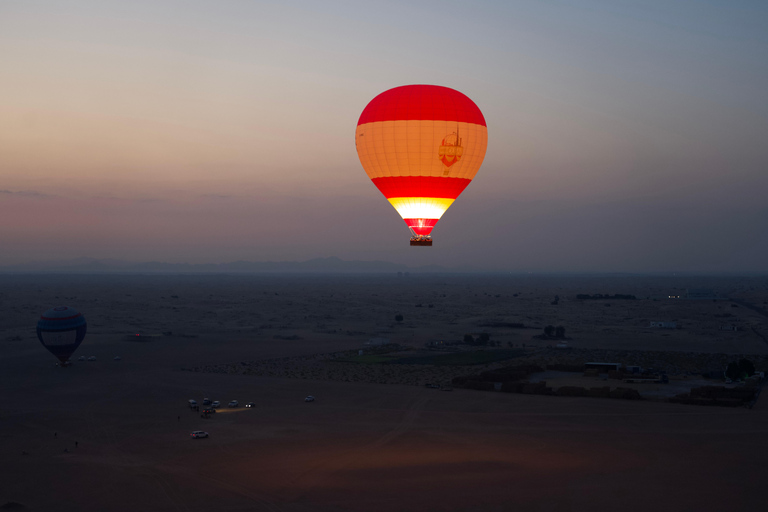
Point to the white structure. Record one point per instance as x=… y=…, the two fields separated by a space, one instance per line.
x=378 y=341
x=664 y=325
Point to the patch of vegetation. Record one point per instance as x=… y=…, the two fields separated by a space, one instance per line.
x=510 y=325
x=600 y=296
x=741 y=370
x=370 y=359
x=461 y=358
x=552 y=332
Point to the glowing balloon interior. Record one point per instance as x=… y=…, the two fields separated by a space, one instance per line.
x=421 y=145
x=61 y=330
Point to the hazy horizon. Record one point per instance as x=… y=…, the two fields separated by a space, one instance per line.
x=623 y=137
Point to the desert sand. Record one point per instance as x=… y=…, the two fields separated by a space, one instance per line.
x=366 y=444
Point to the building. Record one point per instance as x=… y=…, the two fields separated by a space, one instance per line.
x=602 y=367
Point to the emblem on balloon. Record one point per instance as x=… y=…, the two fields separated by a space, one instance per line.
x=450 y=150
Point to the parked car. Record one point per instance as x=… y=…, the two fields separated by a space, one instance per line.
x=250 y=404
x=118 y=358
x=192 y=404
x=206 y=401
x=81 y=358
x=234 y=403
x=92 y=358
x=310 y=398
x=198 y=434
x=215 y=404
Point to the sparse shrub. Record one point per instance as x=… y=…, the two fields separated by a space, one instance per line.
x=399 y=318
x=549 y=330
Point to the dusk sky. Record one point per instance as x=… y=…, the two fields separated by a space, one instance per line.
x=622 y=136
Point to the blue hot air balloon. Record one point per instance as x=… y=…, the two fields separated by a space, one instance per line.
x=61 y=330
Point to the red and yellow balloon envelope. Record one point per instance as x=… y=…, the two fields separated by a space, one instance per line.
x=421 y=145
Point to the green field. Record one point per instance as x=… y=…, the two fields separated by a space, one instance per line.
x=370 y=359
x=453 y=359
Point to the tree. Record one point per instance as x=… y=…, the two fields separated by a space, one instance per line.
x=741 y=370
x=549 y=330
x=559 y=331
x=746 y=368
x=732 y=371
x=484 y=338
x=399 y=318
x=468 y=338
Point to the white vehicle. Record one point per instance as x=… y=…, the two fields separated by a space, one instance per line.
x=92 y=358
x=192 y=404
x=234 y=403
x=118 y=358
x=310 y=398
x=81 y=358
x=198 y=434
x=215 y=404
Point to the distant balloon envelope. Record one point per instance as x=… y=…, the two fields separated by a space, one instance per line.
x=61 y=330
x=421 y=145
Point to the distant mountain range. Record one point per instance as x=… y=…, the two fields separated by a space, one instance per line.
x=317 y=265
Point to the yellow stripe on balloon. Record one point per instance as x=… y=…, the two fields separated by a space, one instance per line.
x=420 y=207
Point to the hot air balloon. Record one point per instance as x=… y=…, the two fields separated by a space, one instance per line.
x=421 y=145
x=61 y=330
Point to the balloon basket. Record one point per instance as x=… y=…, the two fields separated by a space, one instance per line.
x=421 y=241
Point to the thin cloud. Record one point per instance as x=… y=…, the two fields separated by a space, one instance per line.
x=25 y=193
x=216 y=197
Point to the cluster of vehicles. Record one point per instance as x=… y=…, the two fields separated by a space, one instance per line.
x=210 y=407
x=215 y=404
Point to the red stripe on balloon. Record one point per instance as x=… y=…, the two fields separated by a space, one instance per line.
x=421 y=102
x=421 y=186
x=421 y=226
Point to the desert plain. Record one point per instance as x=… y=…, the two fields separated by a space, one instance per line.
x=115 y=434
